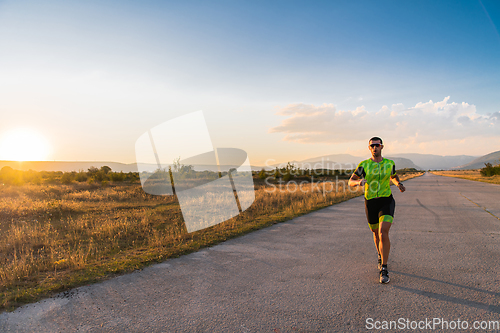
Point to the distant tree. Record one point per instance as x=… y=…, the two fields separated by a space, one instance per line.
x=488 y=170
x=92 y=171
x=106 y=169
x=11 y=177
x=101 y=176
x=176 y=164
x=6 y=170
x=186 y=169
x=290 y=171
x=277 y=173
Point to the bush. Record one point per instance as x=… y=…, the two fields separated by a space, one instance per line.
x=50 y=177
x=92 y=171
x=32 y=177
x=67 y=178
x=132 y=177
x=277 y=173
x=6 y=170
x=9 y=176
x=101 y=176
x=490 y=170
x=106 y=169
x=406 y=170
x=117 y=176
x=81 y=176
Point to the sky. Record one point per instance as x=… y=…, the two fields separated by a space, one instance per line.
x=282 y=80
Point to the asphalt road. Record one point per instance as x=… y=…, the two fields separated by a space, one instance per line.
x=315 y=273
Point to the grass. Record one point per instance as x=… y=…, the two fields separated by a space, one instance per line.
x=469 y=174
x=57 y=237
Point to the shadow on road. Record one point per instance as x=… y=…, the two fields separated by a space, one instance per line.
x=442 y=297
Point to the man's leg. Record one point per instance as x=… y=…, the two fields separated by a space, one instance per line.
x=372 y=211
x=385 y=221
x=376 y=239
x=384 y=243
x=385 y=247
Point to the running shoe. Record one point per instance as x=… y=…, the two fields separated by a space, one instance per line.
x=384 y=276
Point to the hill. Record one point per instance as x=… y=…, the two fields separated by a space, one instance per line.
x=437 y=162
x=342 y=162
x=493 y=158
x=411 y=160
x=333 y=161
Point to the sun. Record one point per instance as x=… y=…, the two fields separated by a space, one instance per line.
x=23 y=144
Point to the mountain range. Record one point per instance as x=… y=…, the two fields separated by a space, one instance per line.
x=335 y=161
x=493 y=158
x=402 y=161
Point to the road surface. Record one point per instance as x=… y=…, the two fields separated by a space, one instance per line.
x=315 y=273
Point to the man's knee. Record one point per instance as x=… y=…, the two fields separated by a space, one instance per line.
x=384 y=230
x=384 y=235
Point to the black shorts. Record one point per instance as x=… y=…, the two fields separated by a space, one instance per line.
x=379 y=210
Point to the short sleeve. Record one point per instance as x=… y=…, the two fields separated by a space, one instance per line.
x=393 y=171
x=360 y=171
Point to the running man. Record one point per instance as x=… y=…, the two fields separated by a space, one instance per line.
x=376 y=174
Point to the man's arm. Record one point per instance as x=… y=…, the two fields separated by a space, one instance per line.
x=397 y=182
x=355 y=180
x=358 y=176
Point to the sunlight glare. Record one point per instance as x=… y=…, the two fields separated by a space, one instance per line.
x=23 y=144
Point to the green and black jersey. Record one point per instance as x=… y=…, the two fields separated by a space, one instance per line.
x=378 y=177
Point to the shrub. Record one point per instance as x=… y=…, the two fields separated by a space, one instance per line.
x=6 y=170
x=288 y=176
x=51 y=177
x=277 y=173
x=92 y=171
x=132 y=177
x=67 y=178
x=490 y=170
x=101 y=176
x=117 y=176
x=106 y=169
x=10 y=176
x=32 y=177
x=81 y=177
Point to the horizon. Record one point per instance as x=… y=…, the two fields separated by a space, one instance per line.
x=267 y=160
x=284 y=80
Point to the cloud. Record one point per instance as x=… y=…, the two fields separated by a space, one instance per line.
x=425 y=122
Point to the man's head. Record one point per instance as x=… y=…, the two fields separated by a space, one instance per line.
x=375 y=145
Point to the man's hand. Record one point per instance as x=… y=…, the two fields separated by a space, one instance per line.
x=401 y=187
x=356 y=181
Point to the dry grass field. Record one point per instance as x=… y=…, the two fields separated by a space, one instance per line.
x=469 y=174
x=56 y=237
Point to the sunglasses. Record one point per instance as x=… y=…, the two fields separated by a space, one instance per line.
x=373 y=145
